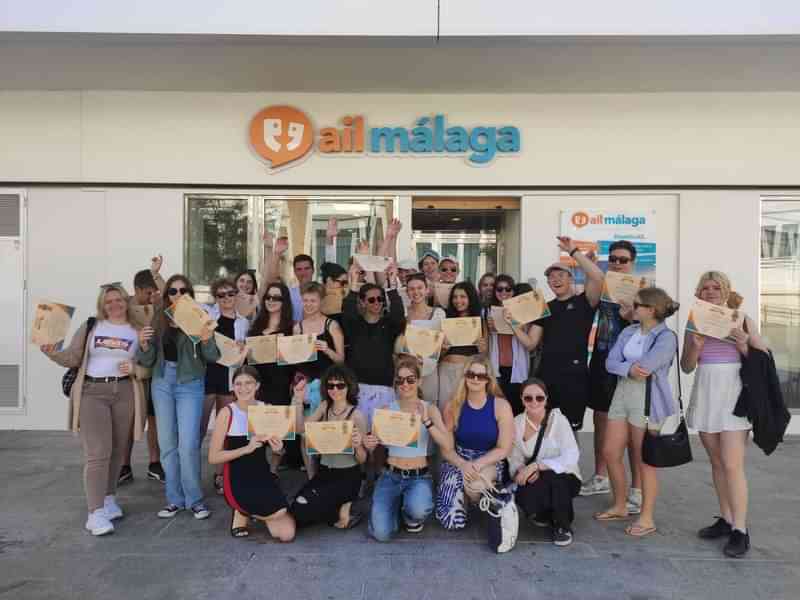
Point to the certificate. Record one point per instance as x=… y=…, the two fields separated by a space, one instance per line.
x=332 y=302
x=50 y=323
x=296 y=349
x=500 y=323
x=424 y=343
x=527 y=307
x=441 y=293
x=714 y=321
x=462 y=331
x=396 y=428
x=190 y=317
x=271 y=420
x=262 y=349
x=368 y=262
x=622 y=287
x=246 y=304
x=329 y=437
x=231 y=354
x=143 y=314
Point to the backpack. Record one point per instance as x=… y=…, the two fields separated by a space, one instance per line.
x=71 y=375
x=503 y=515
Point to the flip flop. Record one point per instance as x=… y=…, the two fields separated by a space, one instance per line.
x=240 y=532
x=610 y=516
x=639 y=531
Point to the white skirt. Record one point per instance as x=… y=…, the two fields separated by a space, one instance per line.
x=714 y=395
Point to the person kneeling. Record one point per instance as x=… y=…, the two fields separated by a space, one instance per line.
x=250 y=487
x=544 y=463
x=405 y=486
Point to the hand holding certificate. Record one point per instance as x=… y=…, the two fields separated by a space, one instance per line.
x=396 y=428
x=714 y=321
x=500 y=324
x=369 y=262
x=329 y=437
x=424 y=343
x=271 y=420
x=462 y=331
x=621 y=288
x=527 y=307
x=190 y=317
x=232 y=354
x=296 y=349
x=262 y=349
x=51 y=322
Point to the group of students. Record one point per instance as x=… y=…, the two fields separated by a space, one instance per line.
x=486 y=420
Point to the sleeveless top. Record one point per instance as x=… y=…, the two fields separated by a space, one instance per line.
x=477 y=429
x=422 y=443
x=339 y=461
x=717 y=352
x=313 y=370
x=238 y=424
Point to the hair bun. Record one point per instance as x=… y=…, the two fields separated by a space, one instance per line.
x=672 y=308
x=735 y=300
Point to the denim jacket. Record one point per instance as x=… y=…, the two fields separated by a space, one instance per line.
x=661 y=343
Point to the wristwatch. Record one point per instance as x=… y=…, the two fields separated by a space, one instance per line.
x=573 y=251
x=428 y=424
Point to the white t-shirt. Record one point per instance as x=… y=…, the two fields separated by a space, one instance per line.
x=108 y=346
x=634 y=348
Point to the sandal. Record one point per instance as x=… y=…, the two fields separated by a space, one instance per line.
x=239 y=532
x=635 y=530
x=355 y=519
x=218 y=484
x=607 y=515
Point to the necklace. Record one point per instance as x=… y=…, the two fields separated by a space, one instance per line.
x=533 y=425
x=338 y=414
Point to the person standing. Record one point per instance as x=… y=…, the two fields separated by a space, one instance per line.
x=105 y=400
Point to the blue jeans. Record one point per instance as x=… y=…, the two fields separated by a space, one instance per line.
x=414 y=494
x=179 y=410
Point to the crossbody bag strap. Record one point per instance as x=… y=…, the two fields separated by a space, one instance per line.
x=649 y=384
x=539 y=438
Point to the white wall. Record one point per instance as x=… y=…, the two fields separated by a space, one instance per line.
x=567 y=140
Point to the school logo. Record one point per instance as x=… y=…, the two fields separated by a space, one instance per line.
x=284 y=136
x=580 y=219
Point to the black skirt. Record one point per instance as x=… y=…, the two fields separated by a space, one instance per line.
x=250 y=487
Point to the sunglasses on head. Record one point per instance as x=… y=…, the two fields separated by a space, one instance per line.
x=476 y=376
x=410 y=380
x=175 y=291
x=623 y=260
x=339 y=385
x=641 y=305
x=502 y=288
x=374 y=299
x=113 y=284
x=228 y=294
x=537 y=397
x=274 y=298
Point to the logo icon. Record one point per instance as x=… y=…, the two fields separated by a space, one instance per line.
x=580 y=219
x=281 y=135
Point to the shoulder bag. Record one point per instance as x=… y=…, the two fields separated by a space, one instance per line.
x=72 y=373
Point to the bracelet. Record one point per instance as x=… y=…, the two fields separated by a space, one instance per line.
x=573 y=251
x=428 y=424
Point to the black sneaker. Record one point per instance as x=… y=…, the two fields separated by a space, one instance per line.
x=562 y=536
x=169 y=511
x=540 y=521
x=738 y=544
x=125 y=475
x=721 y=528
x=156 y=472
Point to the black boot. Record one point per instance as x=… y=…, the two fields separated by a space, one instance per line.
x=738 y=544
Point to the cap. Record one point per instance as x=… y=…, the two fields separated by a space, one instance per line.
x=558 y=266
x=432 y=253
x=451 y=258
x=407 y=264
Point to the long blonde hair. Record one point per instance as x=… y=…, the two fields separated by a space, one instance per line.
x=730 y=298
x=460 y=393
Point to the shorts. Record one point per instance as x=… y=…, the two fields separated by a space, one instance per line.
x=567 y=390
x=628 y=404
x=601 y=383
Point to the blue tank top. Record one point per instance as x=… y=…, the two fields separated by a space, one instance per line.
x=405 y=452
x=477 y=429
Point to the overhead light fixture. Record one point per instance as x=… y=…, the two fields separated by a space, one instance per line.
x=455 y=219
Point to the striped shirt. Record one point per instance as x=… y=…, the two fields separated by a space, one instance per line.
x=717 y=352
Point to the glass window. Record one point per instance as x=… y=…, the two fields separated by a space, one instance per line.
x=780 y=290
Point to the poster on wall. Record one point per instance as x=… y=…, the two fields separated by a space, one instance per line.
x=596 y=230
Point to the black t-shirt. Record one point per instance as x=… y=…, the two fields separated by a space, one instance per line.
x=170 y=344
x=565 y=341
x=217 y=374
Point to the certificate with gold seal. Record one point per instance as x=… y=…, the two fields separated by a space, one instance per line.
x=622 y=287
x=272 y=420
x=462 y=331
x=296 y=349
x=713 y=320
x=396 y=428
x=231 y=353
x=423 y=343
x=262 y=349
x=190 y=317
x=329 y=437
x=50 y=323
x=527 y=307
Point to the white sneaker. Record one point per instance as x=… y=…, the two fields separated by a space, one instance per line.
x=596 y=485
x=634 y=503
x=201 y=512
x=112 y=509
x=98 y=523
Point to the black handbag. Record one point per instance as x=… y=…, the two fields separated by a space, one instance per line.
x=71 y=375
x=670 y=450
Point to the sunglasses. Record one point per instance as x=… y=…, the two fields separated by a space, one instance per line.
x=271 y=298
x=446 y=270
x=537 y=397
x=640 y=305
x=476 y=376
x=410 y=380
x=113 y=284
x=336 y=386
x=623 y=260
x=502 y=288
x=223 y=295
x=374 y=299
x=176 y=291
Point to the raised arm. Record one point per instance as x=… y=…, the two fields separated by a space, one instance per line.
x=331 y=233
x=594 y=276
x=155 y=270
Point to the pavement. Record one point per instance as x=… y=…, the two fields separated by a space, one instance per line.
x=46 y=553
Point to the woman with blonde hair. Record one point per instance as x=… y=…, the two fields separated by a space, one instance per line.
x=106 y=399
x=716 y=389
x=481 y=424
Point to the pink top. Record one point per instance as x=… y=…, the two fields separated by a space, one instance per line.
x=717 y=352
